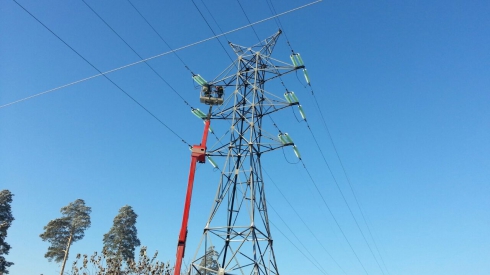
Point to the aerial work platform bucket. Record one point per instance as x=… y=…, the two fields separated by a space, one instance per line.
x=212 y=95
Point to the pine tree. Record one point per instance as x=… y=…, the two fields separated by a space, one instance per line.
x=121 y=240
x=6 y=219
x=62 y=232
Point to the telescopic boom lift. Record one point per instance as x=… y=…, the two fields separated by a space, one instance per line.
x=198 y=155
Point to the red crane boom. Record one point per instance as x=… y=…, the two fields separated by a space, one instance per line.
x=198 y=155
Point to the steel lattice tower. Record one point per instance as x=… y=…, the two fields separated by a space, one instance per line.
x=237 y=237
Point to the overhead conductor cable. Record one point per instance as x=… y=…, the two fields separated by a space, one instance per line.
x=152 y=57
x=100 y=74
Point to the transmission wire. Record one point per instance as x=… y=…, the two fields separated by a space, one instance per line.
x=331 y=213
x=277 y=228
x=161 y=38
x=246 y=16
x=212 y=17
x=348 y=181
x=275 y=125
x=320 y=267
x=317 y=189
x=158 y=55
x=127 y=44
x=181 y=60
x=278 y=22
x=304 y=223
x=272 y=9
x=100 y=72
x=207 y=23
x=134 y=51
x=342 y=194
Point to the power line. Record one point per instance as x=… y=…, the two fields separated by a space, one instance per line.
x=324 y=201
x=161 y=38
x=317 y=264
x=349 y=182
x=212 y=17
x=304 y=223
x=88 y=62
x=342 y=194
x=246 y=16
x=307 y=250
x=204 y=18
x=159 y=55
x=350 y=185
x=302 y=244
x=278 y=22
x=331 y=213
x=134 y=51
x=297 y=248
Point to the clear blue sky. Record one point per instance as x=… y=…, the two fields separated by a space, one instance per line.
x=404 y=87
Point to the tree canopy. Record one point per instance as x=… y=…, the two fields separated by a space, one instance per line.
x=100 y=264
x=6 y=219
x=121 y=240
x=62 y=232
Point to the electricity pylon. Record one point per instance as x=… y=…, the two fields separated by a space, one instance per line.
x=237 y=237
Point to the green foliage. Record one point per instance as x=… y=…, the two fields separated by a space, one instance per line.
x=69 y=228
x=121 y=240
x=6 y=219
x=103 y=264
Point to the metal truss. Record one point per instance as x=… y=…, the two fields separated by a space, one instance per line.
x=237 y=237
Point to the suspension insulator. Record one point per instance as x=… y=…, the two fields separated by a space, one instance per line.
x=293 y=96
x=281 y=138
x=296 y=151
x=287 y=138
x=301 y=112
x=199 y=80
x=307 y=77
x=300 y=60
x=212 y=162
x=297 y=60
x=295 y=63
x=199 y=113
